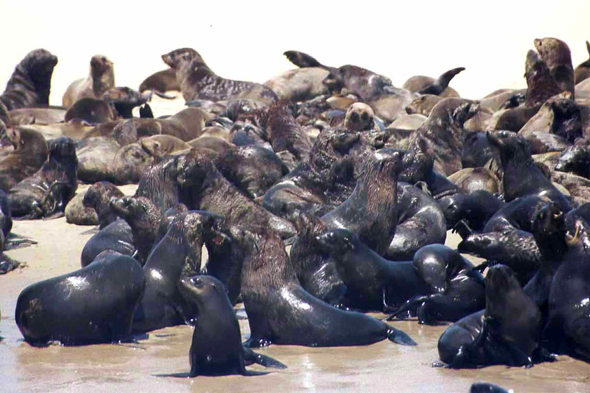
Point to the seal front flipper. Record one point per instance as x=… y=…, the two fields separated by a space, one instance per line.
x=462 y=229
x=302 y=60
x=399 y=337
x=266 y=361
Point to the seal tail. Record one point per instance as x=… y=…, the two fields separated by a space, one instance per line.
x=399 y=337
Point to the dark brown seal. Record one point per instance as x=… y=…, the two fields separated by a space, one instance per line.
x=100 y=79
x=91 y=110
x=29 y=154
x=556 y=54
x=540 y=83
x=30 y=83
x=210 y=191
x=198 y=81
x=98 y=197
x=216 y=348
x=281 y=312
x=49 y=190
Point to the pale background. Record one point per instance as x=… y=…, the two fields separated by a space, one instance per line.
x=245 y=39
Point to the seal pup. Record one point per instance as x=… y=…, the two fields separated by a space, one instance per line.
x=198 y=81
x=475 y=208
x=100 y=79
x=540 y=83
x=144 y=217
x=30 y=83
x=128 y=164
x=177 y=255
x=29 y=154
x=160 y=83
x=281 y=312
x=91 y=110
x=285 y=134
x=299 y=84
x=50 y=189
x=216 y=347
x=92 y=305
x=98 y=197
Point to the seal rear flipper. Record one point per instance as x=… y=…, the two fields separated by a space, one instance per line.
x=7 y=264
x=302 y=60
x=409 y=306
x=145 y=111
x=399 y=337
x=266 y=361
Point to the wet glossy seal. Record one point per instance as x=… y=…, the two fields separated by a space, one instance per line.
x=91 y=305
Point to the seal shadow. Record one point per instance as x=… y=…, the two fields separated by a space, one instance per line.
x=15 y=241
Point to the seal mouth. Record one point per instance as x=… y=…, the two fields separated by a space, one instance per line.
x=496 y=138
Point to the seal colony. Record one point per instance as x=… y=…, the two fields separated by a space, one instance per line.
x=325 y=159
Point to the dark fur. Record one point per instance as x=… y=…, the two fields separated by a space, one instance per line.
x=30 y=152
x=98 y=197
x=50 y=189
x=30 y=83
x=556 y=54
x=540 y=83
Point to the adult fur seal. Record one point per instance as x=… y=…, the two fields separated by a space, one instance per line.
x=376 y=284
x=281 y=312
x=100 y=79
x=30 y=83
x=521 y=175
x=91 y=305
x=556 y=54
x=371 y=211
x=212 y=192
x=50 y=189
x=475 y=209
x=29 y=154
x=198 y=81
x=540 y=83
x=426 y=85
x=421 y=221
x=177 y=255
x=507 y=332
x=216 y=348
x=568 y=324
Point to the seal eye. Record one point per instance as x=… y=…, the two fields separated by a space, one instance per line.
x=198 y=282
x=365 y=116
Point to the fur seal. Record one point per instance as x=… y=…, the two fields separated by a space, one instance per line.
x=100 y=79
x=143 y=216
x=30 y=83
x=371 y=211
x=6 y=215
x=483 y=387
x=556 y=54
x=474 y=179
x=423 y=104
x=359 y=117
x=365 y=84
x=177 y=255
x=198 y=81
x=98 y=197
x=78 y=214
x=540 y=83
x=29 y=154
x=568 y=305
x=129 y=164
x=444 y=130
x=159 y=146
x=160 y=83
x=521 y=175
x=90 y=110
x=300 y=84
x=216 y=347
x=95 y=157
x=124 y=99
x=475 y=208
x=285 y=134
x=210 y=191
x=420 y=222
x=50 y=189
x=37 y=115
x=437 y=87
x=507 y=332
x=91 y=305
x=575 y=159
x=582 y=71
x=281 y=312
x=159 y=184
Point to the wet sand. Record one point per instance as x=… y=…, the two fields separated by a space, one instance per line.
x=136 y=367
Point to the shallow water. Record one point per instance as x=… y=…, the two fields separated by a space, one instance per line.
x=135 y=367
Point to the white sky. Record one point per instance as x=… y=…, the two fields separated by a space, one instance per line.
x=245 y=39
